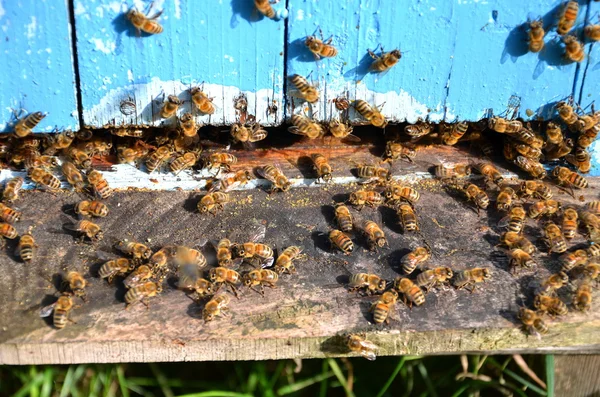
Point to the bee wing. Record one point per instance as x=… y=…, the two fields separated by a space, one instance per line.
x=263 y=174
x=132 y=280
x=258 y=230
x=369 y=355
x=504 y=221
x=47 y=310
x=295 y=130
x=267 y=263
x=351 y=138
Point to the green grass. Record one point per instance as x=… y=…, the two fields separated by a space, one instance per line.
x=387 y=376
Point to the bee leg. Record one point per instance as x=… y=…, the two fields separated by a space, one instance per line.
x=234 y=290
x=146 y=303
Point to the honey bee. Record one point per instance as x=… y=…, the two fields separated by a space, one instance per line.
x=212 y=202
x=322 y=167
x=550 y=304
x=365 y=197
x=370 y=113
x=581 y=160
x=341 y=241
x=254 y=252
x=533 y=167
x=183 y=162
x=304 y=126
x=416 y=257
x=215 y=307
x=504 y=126
x=572 y=259
x=593 y=250
x=26 y=247
x=73 y=175
x=583 y=297
x=505 y=198
x=79 y=157
x=412 y=292
x=220 y=160
x=321 y=48
x=33 y=159
x=567 y=17
x=519 y=259
x=344 y=218
x=394 y=193
x=593 y=207
x=278 y=180
x=408 y=217
x=592 y=32
x=478 y=196
x=202 y=101
x=143 y=23
x=157 y=157
x=358 y=344
x=142 y=293
x=430 y=278
x=204 y=288
x=454 y=171
x=222 y=275
x=44 y=178
x=248 y=135
x=554 y=238
x=12 y=189
x=187 y=125
x=99 y=184
x=569 y=178
x=183 y=255
x=592 y=225
x=553 y=283
x=533 y=323
x=265 y=8
x=569 y=222
x=307 y=91
x=468 y=279
x=536 y=35
x=285 y=260
x=129 y=132
x=528 y=151
x=342 y=131
x=137 y=251
x=535 y=188
x=373 y=173
x=130 y=154
x=61 y=309
x=231 y=181
x=566 y=113
x=375 y=236
x=140 y=275
x=416 y=131
x=24 y=126
x=160 y=259
x=115 y=267
x=76 y=284
x=397 y=150
x=554 y=133
x=87 y=229
x=223 y=249
x=260 y=278
x=366 y=283
x=384 y=62
x=382 y=307
x=574 y=50
x=9 y=215
x=591 y=271
x=515 y=219
x=586 y=122
x=542 y=208
x=455 y=132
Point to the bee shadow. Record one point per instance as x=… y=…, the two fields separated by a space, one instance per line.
x=122 y=25
x=328 y=211
x=58 y=282
x=510 y=315
x=195 y=308
x=343 y=280
x=306 y=167
x=389 y=217
x=526 y=292
x=298 y=51
x=516 y=44
x=69 y=209
x=245 y=10
x=361 y=70
x=334 y=345
x=321 y=241
x=120 y=289
x=365 y=308
x=500 y=260
x=394 y=259
x=340 y=197
x=190 y=204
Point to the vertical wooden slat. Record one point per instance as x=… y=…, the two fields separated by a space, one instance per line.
x=577 y=376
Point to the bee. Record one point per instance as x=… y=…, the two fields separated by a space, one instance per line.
x=33 y=159
x=567 y=17
x=223 y=249
x=358 y=344
x=583 y=297
x=367 y=283
x=183 y=255
x=342 y=131
x=87 y=229
x=215 y=307
x=550 y=304
x=373 y=173
x=231 y=181
x=572 y=259
x=9 y=215
x=115 y=267
x=416 y=257
x=187 y=125
x=339 y=240
x=383 y=306
x=304 y=126
x=183 y=162
x=61 y=309
x=515 y=219
x=533 y=323
x=593 y=250
x=528 y=151
x=370 y=113
x=12 y=189
x=248 y=135
x=44 y=178
x=202 y=101
x=554 y=238
x=254 y=251
x=260 y=278
x=384 y=62
x=189 y=274
x=592 y=32
x=394 y=193
x=418 y=130
x=412 y=292
x=581 y=160
x=142 y=293
x=321 y=48
x=408 y=217
x=592 y=225
x=542 y=208
x=137 y=251
x=397 y=150
x=574 y=50
x=478 y=196
x=73 y=175
x=143 y=23
x=204 y=288
x=519 y=259
x=569 y=178
x=586 y=122
x=468 y=279
x=553 y=283
x=24 y=126
x=566 y=113
x=278 y=180
x=91 y=208
x=160 y=259
x=430 y=278
x=504 y=126
x=56 y=142
x=505 y=198
x=593 y=207
x=569 y=222
x=139 y=276
x=129 y=132
x=285 y=260
x=222 y=275
x=365 y=197
x=554 y=133
x=79 y=157
x=99 y=184
x=533 y=167
x=76 y=284
x=157 y=157
x=8 y=231
x=265 y=8
x=129 y=154
x=322 y=167
x=536 y=36
x=447 y=170
x=535 y=188
x=220 y=160
x=211 y=202
x=455 y=132
x=26 y=247
x=591 y=271
x=375 y=236
x=307 y=91
x=343 y=218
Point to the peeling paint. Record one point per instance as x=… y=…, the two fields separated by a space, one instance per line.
x=106 y=47
x=2 y=10
x=31 y=28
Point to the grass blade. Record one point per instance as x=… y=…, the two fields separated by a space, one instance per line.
x=30 y=386
x=122 y=381
x=324 y=382
x=162 y=380
x=289 y=389
x=68 y=383
x=523 y=381
x=216 y=393
x=340 y=376
x=550 y=374
x=47 y=382
x=525 y=368
x=461 y=390
x=391 y=378
x=425 y=376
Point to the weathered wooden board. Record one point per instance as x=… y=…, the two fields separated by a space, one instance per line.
x=37 y=64
x=577 y=375
x=225 y=45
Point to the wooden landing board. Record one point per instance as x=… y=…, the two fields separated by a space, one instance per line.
x=305 y=314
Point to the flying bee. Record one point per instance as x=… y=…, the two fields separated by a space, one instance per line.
x=212 y=202
x=553 y=283
x=372 y=173
x=365 y=283
x=370 y=113
x=533 y=167
x=99 y=184
x=321 y=48
x=344 y=218
x=468 y=279
x=61 y=309
x=383 y=306
x=408 y=217
x=307 y=91
x=115 y=267
x=183 y=162
x=9 y=215
x=222 y=275
x=24 y=126
x=569 y=222
x=220 y=160
x=397 y=150
x=79 y=157
x=534 y=324
x=455 y=132
x=322 y=167
x=478 y=196
x=144 y=23
x=566 y=113
x=543 y=208
x=304 y=126
x=448 y=170
x=138 y=251
x=73 y=175
x=265 y=8
x=395 y=192
x=554 y=238
x=278 y=180
x=44 y=178
x=573 y=259
x=550 y=304
x=215 y=307
x=504 y=126
x=565 y=176
x=340 y=241
x=202 y=101
x=26 y=247
x=554 y=133
x=358 y=344
x=157 y=158
x=416 y=257
x=581 y=160
x=375 y=236
x=139 y=276
x=169 y=108
x=185 y=255
x=142 y=293
x=342 y=131
x=91 y=208
x=87 y=229
x=536 y=189
x=384 y=62
x=519 y=259
x=536 y=35
x=515 y=219
x=12 y=189
x=583 y=297
x=504 y=200
x=260 y=278
x=592 y=32
x=76 y=284
x=365 y=197
x=418 y=130
x=285 y=260
x=187 y=125
x=412 y=292
x=428 y=279
x=231 y=181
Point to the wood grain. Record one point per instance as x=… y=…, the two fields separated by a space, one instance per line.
x=577 y=375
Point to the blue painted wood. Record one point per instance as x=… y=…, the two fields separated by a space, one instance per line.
x=36 y=63
x=224 y=43
x=589 y=76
